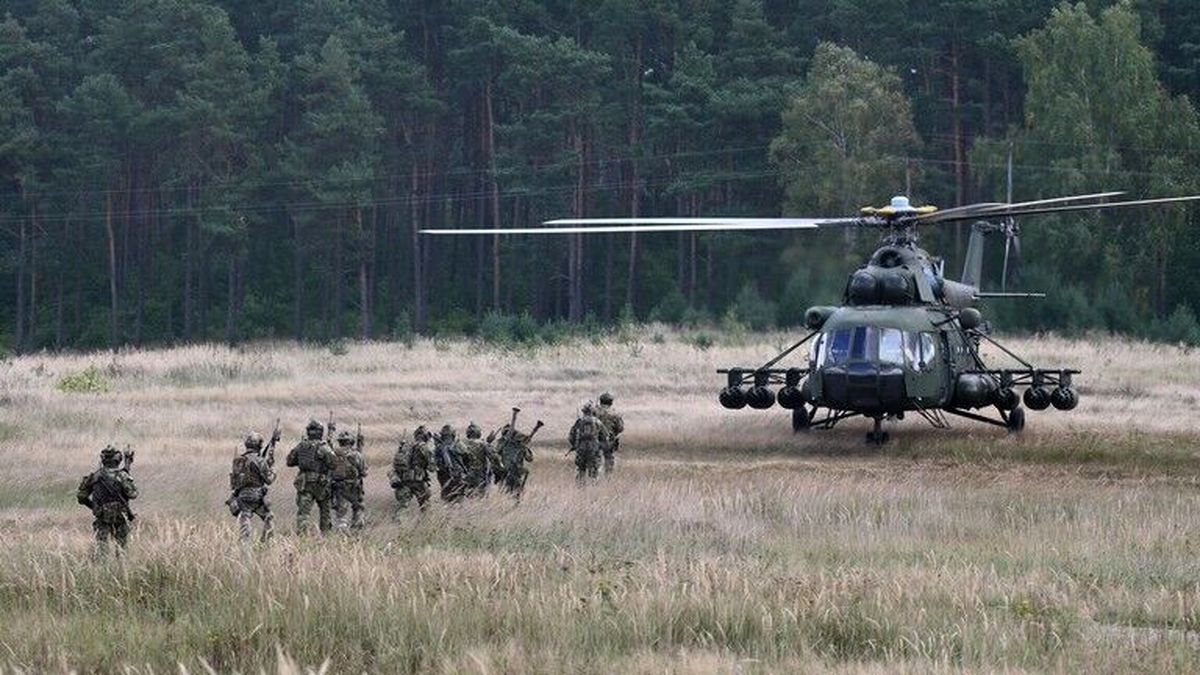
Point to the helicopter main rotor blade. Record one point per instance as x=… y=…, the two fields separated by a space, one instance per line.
x=1077 y=207
x=990 y=208
x=642 y=225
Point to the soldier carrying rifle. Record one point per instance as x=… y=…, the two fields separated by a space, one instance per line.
x=107 y=491
x=349 y=470
x=513 y=448
x=250 y=477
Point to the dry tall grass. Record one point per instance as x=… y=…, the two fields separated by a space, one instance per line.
x=724 y=544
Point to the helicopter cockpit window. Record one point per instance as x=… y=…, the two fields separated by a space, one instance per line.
x=912 y=348
x=868 y=343
x=928 y=348
x=837 y=347
x=891 y=346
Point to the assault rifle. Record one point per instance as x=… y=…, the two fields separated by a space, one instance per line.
x=126 y=465
x=358 y=439
x=330 y=428
x=269 y=451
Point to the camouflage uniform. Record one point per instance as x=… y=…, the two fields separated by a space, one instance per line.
x=588 y=437
x=349 y=470
x=249 y=479
x=512 y=447
x=315 y=461
x=478 y=457
x=410 y=469
x=107 y=491
x=615 y=425
x=451 y=467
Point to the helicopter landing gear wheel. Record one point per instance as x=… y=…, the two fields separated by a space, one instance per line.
x=877 y=436
x=801 y=420
x=1016 y=420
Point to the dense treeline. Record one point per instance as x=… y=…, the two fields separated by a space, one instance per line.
x=180 y=170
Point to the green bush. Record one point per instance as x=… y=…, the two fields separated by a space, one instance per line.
x=1180 y=327
x=753 y=310
x=88 y=381
x=671 y=308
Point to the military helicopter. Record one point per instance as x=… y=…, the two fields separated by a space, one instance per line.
x=906 y=339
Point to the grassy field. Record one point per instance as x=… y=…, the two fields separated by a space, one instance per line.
x=724 y=544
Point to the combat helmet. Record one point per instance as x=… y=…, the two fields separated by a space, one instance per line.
x=421 y=433
x=473 y=431
x=314 y=429
x=447 y=431
x=254 y=441
x=606 y=398
x=110 y=456
x=345 y=438
x=588 y=408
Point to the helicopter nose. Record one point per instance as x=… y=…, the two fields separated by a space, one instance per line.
x=864 y=387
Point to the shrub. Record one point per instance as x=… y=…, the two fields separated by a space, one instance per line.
x=1180 y=327
x=671 y=309
x=753 y=310
x=88 y=381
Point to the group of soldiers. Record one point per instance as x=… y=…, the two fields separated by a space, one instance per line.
x=331 y=472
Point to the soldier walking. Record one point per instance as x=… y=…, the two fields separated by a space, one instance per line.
x=349 y=470
x=314 y=459
x=410 y=469
x=514 y=452
x=588 y=436
x=107 y=491
x=480 y=458
x=250 y=477
x=451 y=471
x=615 y=425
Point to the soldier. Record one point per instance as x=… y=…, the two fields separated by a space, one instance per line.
x=107 y=491
x=410 y=469
x=513 y=449
x=479 y=459
x=588 y=437
x=451 y=470
x=349 y=470
x=615 y=425
x=314 y=459
x=250 y=477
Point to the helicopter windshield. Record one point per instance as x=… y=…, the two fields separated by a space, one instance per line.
x=870 y=343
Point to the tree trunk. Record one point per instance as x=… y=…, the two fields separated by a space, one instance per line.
x=297 y=281
x=22 y=256
x=112 y=272
x=635 y=194
x=364 y=288
x=960 y=175
x=417 y=261
x=575 y=242
x=31 y=324
x=494 y=191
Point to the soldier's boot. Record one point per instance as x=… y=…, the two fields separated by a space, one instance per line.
x=608 y=463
